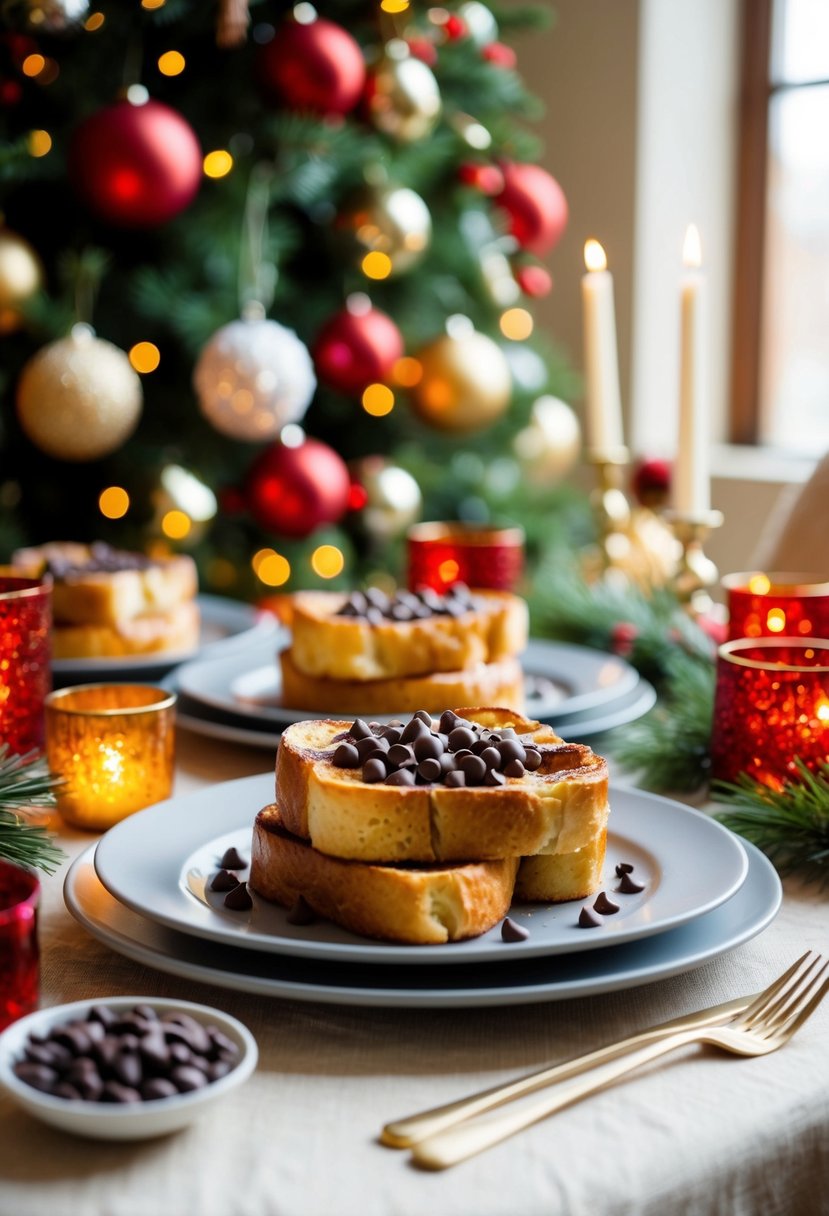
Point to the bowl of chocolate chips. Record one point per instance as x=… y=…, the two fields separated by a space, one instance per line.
x=125 y=1068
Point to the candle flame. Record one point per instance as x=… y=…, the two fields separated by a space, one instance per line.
x=594 y=256
x=692 y=248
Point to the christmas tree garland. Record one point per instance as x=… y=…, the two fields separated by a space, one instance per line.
x=25 y=787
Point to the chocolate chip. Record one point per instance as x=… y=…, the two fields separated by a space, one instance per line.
x=399 y=753
x=624 y=867
x=514 y=769
x=429 y=770
x=158 y=1087
x=114 y=1091
x=455 y=779
x=461 y=737
x=473 y=769
x=365 y=746
x=413 y=730
x=628 y=885
x=513 y=932
x=532 y=759
x=494 y=777
x=232 y=860
x=403 y=776
x=239 y=900
x=392 y=734
x=39 y=1076
x=127 y=1068
x=604 y=904
x=588 y=919
x=447 y=762
x=374 y=616
x=359 y=729
x=380 y=745
x=401 y=612
x=448 y=721
x=374 y=770
x=491 y=757
x=346 y=756
x=428 y=747
x=223 y=880
x=511 y=749
x=301 y=913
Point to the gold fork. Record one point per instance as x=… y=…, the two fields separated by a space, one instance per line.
x=763 y=1026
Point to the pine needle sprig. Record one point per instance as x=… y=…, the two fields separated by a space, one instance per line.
x=790 y=824
x=26 y=786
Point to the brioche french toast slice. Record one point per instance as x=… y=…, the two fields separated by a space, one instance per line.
x=412 y=904
x=98 y=585
x=337 y=785
x=555 y=878
x=499 y=683
x=176 y=631
x=378 y=637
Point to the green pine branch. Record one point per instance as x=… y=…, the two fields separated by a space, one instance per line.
x=25 y=786
x=790 y=825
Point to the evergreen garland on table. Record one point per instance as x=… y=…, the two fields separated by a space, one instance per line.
x=790 y=824
x=25 y=787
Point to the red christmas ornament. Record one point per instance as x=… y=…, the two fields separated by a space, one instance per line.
x=500 y=54
x=358 y=346
x=651 y=482
x=534 y=281
x=423 y=49
x=487 y=178
x=536 y=206
x=455 y=27
x=623 y=637
x=295 y=490
x=357 y=496
x=136 y=165
x=317 y=67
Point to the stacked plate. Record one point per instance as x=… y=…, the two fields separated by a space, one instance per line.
x=704 y=892
x=237 y=696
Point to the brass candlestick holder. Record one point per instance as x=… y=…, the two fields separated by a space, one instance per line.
x=611 y=508
x=634 y=545
x=695 y=572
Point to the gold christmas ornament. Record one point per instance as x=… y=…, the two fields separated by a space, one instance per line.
x=403 y=97
x=21 y=277
x=184 y=505
x=393 y=498
x=391 y=228
x=549 y=446
x=466 y=383
x=78 y=398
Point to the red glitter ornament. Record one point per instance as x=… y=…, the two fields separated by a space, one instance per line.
x=487 y=178
x=651 y=482
x=534 y=281
x=535 y=205
x=295 y=490
x=316 y=66
x=358 y=346
x=500 y=54
x=136 y=165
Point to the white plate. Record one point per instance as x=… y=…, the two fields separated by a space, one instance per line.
x=159 y=861
x=213 y=724
x=511 y=983
x=225 y=625
x=571 y=679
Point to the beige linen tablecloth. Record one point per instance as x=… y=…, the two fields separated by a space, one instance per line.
x=696 y=1134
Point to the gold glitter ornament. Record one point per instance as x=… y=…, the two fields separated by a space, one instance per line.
x=78 y=398
x=466 y=383
x=403 y=95
x=393 y=498
x=389 y=220
x=547 y=449
x=21 y=277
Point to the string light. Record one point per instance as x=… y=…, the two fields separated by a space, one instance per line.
x=40 y=143
x=114 y=502
x=271 y=568
x=327 y=561
x=33 y=65
x=153 y=3
x=376 y=265
x=378 y=400
x=176 y=525
x=516 y=324
x=407 y=372
x=171 y=63
x=145 y=356
x=94 y=22
x=394 y=6
x=218 y=163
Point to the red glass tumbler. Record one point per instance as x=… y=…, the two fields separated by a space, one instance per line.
x=771 y=705
x=769 y=605
x=25 y=660
x=19 y=954
x=441 y=554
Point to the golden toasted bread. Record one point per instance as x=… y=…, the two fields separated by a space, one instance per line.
x=554 y=878
x=331 y=646
x=98 y=585
x=411 y=904
x=499 y=683
x=558 y=808
x=175 y=631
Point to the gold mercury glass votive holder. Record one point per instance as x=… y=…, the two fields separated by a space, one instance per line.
x=113 y=745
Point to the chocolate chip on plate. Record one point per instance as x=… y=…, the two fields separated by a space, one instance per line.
x=232 y=860
x=513 y=932
x=223 y=880
x=604 y=904
x=239 y=900
x=588 y=919
x=628 y=885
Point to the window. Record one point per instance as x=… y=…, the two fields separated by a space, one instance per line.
x=781 y=367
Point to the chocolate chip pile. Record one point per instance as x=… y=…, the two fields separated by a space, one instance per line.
x=448 y=751
x=103 y=559
x=135 y=1056
x=603 y=904
x=375 y=606
x=238 y=897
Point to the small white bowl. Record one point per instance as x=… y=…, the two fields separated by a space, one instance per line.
x=109 y=1120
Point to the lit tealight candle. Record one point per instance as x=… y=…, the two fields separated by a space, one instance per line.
x=113 y=747
x=601 y=363
x=692 y=494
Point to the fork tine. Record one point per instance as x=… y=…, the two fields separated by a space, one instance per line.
x=807 y=1011
x=793 y=998
x=760 y=1003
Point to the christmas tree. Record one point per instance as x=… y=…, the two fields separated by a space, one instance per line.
x=266 y=283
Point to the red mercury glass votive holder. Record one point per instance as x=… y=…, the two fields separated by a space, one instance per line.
x=441 y=554
x=773 y=605
x=25 y=660
x=19 y=954
x=771 y=705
